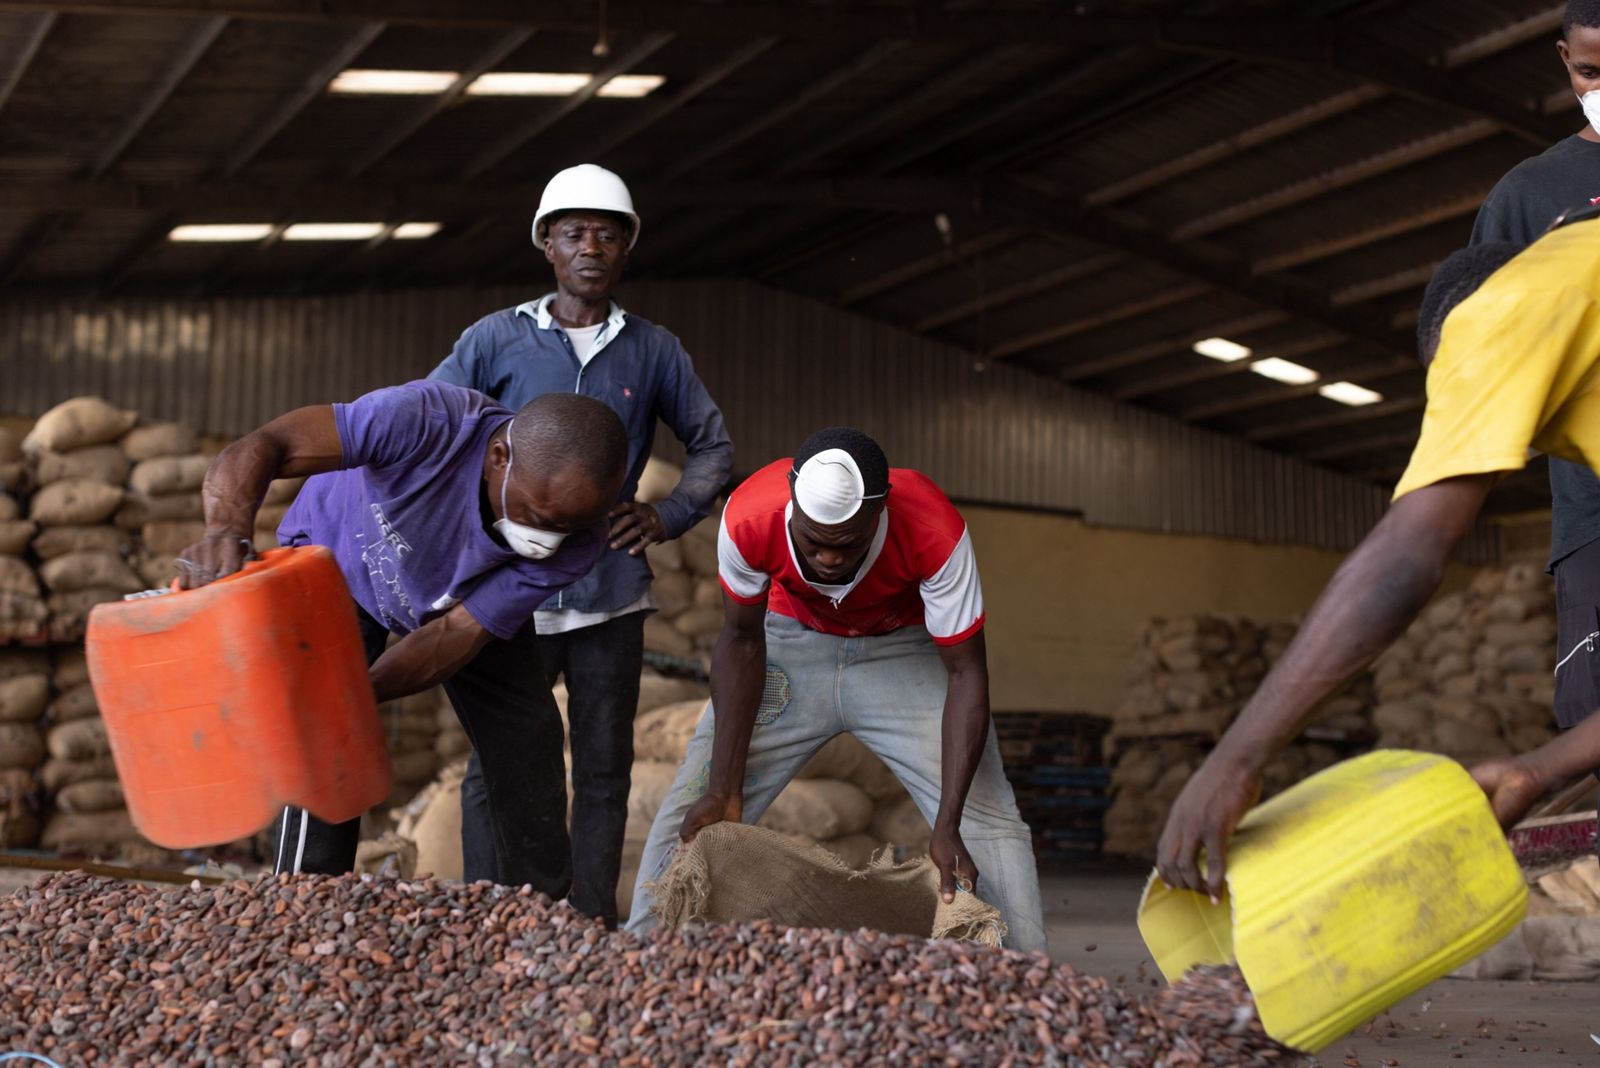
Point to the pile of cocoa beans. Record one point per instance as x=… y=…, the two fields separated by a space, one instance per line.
x=363 y=970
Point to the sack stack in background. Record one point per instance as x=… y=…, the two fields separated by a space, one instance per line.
x=1473 y=677
x=24 y=693
x=22 y=607
x=12 y=466
x=411 y=730
x=89 y=814
x=688 y=614
x=1189 y=679
x=280 y=495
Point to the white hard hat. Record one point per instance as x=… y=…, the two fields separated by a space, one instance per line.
x=586 y=187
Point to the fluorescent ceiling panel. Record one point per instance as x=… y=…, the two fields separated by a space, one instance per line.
x=393 y=82
x=333 y=231
x=1220 y=348
x=1284 y=371
x=632 y=85
x=198 y=232
x=528 y=83
x=415 y=231
x=1350 y=393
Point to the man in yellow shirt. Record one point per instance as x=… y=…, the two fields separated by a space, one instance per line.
x=1511 y=338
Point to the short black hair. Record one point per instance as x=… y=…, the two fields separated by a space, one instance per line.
x=1585 y=13
x=1457 y=278
x=868 y=455
x=558 y=430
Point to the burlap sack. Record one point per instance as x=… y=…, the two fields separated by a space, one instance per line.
x=283 y=490
x=449 y=745
x=12 y=475
x=733 y=873
x=14 y=662
x=9 y=508
x=661 y=637
x=665 y=558
x=21 y=615
x=76 y=423
x=22 y=699
x=69 y=668
x=69 y=612
x=387 y=855
x=900 y=823
x=89 y=832
x=10 y=445
x=169 y=474
x=74 y=502
x=707 y=593
x=137 y=509
x=698 y=621
x=663 y=733
x=656 y=691
x=16 y=577
x=19 y=826
x=97 y=463
x=52 y=542
x=93 y=795
x=82 y=739
x=74 y=704
x=16 y=784
x=673 y=592
x=857 y=851
x=1548 y=948
x=159 y=439
x=157 y=572
x=86 y=570
x=657 y=481
x=417 y=766
x=15 y=534
x=270 y=515
x=846 y=759
x=21 y=746
x=171 y=537
x=58 y=774
x=700 y=549
x=819 y=809
x=651 y=782
x=433 y=821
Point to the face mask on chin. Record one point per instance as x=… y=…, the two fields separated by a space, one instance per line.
x=531 y=543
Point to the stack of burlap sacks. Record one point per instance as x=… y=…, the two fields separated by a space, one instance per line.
x=1189 y=679
x=688 y=614
x=1473 y=677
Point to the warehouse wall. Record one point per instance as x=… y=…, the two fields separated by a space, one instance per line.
x=1066 y=600
x=779 y=365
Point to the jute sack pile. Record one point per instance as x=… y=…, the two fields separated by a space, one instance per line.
x=13 y=468
x=1188 y=680
x=411 y=727
x=22 y=608
x=280 y=495
x=432 y=820
x=90 y=814
x=688 y=614
x=1473 y=677
x=24 y=692
x=732 y=873
x=76 y=424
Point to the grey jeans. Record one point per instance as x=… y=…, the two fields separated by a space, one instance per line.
x=889 y=692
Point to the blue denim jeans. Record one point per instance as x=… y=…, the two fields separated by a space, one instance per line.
x=889 y=692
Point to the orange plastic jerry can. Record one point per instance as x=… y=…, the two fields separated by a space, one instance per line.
x=226 y=703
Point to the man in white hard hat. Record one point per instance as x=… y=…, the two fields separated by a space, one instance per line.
x=577 y=340
x=853 y=605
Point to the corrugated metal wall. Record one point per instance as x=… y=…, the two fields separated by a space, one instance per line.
x=780 y=366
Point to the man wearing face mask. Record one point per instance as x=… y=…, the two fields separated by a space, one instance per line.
x=853 y=604
x=577 y=340
x=451 y=520
x=1521 y=208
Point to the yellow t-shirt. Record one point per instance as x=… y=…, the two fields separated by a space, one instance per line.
x=1517 y=367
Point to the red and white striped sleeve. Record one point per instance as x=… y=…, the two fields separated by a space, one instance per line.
x=740 y=581
x=952 y=597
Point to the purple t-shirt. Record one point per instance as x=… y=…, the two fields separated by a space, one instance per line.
x=403 y=518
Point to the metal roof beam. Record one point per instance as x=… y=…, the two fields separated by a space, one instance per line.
x=1207 y=370
x=250 y=146
x=944 y=259
x=428 y=108
x=990 y=299
x=34 y=238
x=521 y=135
x=1291 y=427
x=201 y=40
x=1266 y=398
x=1162 y=298
x=1357 y=445
x=42 y=25
x=1118 y=361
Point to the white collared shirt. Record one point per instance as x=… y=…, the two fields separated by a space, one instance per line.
x=584 y=348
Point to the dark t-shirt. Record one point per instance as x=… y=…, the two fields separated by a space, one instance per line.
x=1519 y=209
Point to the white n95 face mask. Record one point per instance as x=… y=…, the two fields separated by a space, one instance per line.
x=1591 y=108
x=531 y=543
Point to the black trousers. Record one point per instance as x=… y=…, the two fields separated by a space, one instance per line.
x=503 y=701
x=1578 y=636
x=601 y=665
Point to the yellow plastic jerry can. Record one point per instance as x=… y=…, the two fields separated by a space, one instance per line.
x=1347 y=893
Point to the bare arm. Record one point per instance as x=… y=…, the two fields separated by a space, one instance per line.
x=302 y=442
x=738 y=674
x=965 y=730
x=1515 y=784
x=428 y=655
x=1370 y=600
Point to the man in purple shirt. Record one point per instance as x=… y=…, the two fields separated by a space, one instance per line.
x=451 y=520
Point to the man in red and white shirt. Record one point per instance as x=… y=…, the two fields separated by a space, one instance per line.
x=853 y=605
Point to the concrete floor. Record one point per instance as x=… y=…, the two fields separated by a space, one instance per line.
x=1089 y=913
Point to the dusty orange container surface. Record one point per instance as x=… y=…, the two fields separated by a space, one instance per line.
x=224 y=704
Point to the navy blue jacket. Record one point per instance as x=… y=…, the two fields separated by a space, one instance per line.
x=643 y=374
